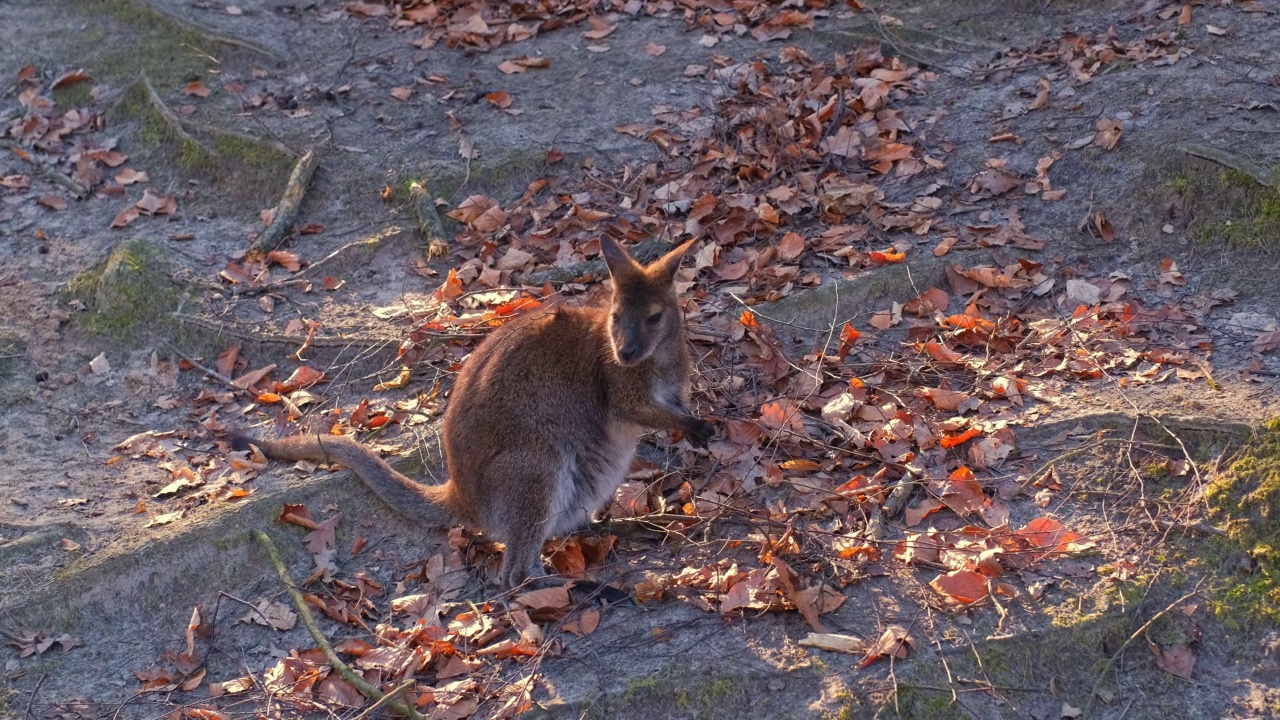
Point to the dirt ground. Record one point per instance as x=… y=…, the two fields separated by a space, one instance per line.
x=99 y=327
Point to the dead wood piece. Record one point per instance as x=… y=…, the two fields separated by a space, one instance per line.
x=429 y=223
x=892 y=506
x=309 y=620
x=290 y=203
x=1262 y=176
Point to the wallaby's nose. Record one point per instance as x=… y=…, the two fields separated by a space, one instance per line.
x=627 y=353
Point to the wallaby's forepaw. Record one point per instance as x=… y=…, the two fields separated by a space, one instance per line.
x=699 y=431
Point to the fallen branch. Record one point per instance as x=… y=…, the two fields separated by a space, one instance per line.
x=290 y=202
x=48 y=171
x=206 y=370
x=301 y=275
x=368 y=713
x=309 y=620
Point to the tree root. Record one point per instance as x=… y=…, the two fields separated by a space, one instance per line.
x=1262 y=176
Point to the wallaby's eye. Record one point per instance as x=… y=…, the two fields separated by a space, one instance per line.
x=655 y=318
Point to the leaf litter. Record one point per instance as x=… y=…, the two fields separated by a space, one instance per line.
x=923 y=396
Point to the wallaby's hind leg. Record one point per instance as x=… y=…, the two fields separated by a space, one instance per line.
x=522 y=560
x=523 y=518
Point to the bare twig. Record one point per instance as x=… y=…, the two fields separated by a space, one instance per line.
x=290 y=202
x=302 y=274
x=32 y=700
x=1111 y=662
x=206 y=370
x=309 y=620
x=368 y=712
x=48 y=171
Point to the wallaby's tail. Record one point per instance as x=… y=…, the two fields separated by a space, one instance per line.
x=430 y=504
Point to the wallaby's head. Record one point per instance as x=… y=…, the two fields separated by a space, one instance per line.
x=644 y=313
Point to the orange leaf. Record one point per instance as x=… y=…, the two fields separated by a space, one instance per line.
x=940 y=352
x=963 y=586
x=500 y=99
x=950 y=441
x=451 y=288
x=304 y=376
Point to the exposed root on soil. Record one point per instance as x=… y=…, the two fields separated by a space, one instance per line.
x=304 y=612
x=211 y=35
x=168 y=116
x=1263 y=176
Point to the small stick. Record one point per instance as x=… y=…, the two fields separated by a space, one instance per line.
x=290 y=203
x=309 y=620
x=1111 y=662
x=32 y=700
x=75 y=188
x=207 y=371
x=368 y=713
x=301 y=275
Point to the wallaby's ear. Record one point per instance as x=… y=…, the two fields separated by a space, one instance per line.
x=617 y=259
x=665 y=267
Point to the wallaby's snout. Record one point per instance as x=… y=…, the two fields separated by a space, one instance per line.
x=629 y=354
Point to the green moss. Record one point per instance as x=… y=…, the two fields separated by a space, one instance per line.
x=132 y=290
x=1229 y=206
x=238 y=168
x=1244 y=502
x=72 y=96
x=639 y=686
x=148 y=42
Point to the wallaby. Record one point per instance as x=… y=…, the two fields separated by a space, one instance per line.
x=545 y=416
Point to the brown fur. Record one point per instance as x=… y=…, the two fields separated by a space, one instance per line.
x=544 y=418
